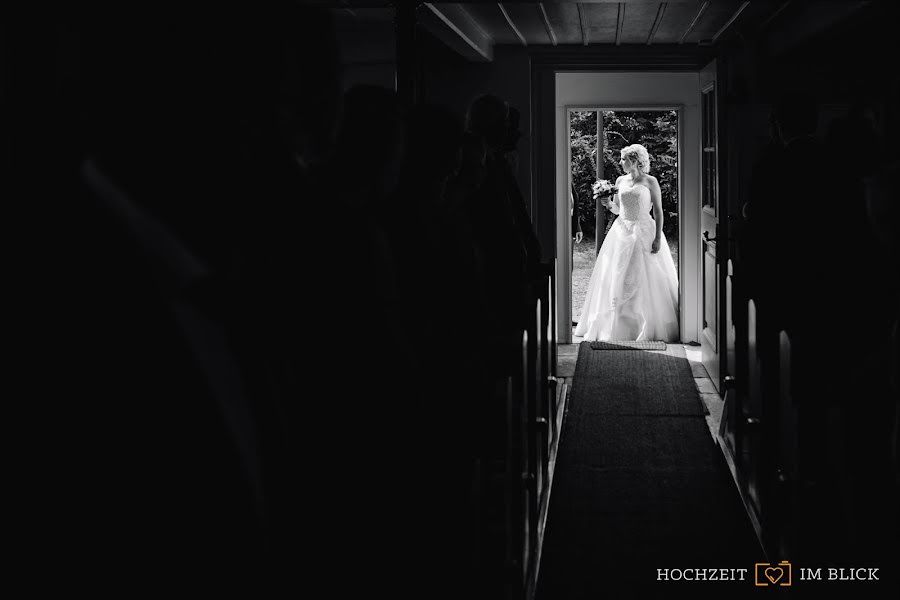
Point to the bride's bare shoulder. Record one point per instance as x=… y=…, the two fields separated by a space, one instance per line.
x=649 y=181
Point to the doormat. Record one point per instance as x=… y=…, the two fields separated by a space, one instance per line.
x=645 y=345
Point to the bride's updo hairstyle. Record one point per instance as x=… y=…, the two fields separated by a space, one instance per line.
x=638 y=155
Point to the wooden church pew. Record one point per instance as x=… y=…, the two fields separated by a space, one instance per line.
x=513 y=489
x=516 y=502
x=787 y=463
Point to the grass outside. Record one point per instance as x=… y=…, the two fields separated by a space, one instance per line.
x=584 y=257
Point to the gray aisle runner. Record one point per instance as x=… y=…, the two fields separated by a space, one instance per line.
x=640 y=486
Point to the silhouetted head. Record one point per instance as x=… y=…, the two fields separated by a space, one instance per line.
x=796 y=114
x=488 y=117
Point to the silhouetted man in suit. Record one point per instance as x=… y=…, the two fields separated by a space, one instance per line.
x=575 y=211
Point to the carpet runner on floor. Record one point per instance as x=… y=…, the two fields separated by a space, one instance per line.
x=640 y=485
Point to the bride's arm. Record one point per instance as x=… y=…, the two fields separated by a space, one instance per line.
x=656 y=199
x=614 y=203
x=614 y=199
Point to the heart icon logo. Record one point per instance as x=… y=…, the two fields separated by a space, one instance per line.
x=773 y=574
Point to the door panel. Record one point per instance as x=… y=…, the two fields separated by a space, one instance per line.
x=710 y=296
x=710 y=213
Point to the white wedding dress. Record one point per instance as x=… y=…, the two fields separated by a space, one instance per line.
x=633 y=293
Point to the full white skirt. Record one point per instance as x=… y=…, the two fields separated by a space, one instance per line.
x=633 y=293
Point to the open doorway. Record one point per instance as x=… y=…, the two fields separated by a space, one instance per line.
x=593 y=90
x=596 y=137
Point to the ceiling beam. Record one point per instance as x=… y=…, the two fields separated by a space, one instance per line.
x=471 y=19
x=733 y=18
x=512 y=25
x=693 y=24
x=581 y=21
x=774 y=15
x=454 y=26
x=621 y=23
x=656 y=23
x=547 y=24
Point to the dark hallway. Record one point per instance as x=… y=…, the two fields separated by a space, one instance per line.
x=294 y=312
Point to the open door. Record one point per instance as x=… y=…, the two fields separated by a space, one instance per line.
x=711 y=294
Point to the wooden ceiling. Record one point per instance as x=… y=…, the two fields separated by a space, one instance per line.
x=602 y=23
x=474 y=28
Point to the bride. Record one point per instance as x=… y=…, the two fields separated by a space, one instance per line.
x=633 y=291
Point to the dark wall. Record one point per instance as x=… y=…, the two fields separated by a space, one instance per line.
x=454 y=82
x=838 y=61
x=368 y=53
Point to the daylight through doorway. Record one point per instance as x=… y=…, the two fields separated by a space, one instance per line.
x=596 y=137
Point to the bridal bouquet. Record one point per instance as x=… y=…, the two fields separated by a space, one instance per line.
x=602 y=187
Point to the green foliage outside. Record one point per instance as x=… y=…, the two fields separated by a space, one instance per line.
x=655 y=130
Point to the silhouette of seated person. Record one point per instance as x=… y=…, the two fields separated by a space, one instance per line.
x=860 y=152
x=441 y=240
x=818 y=295
x=497 y=231
x=523 y=220
x=429 y=162
x=575 y=213
x=463 y=186
x=870 y=451
x=292 y=120
x=805 y=202
x=370 y=294
x=286 y=119
x=759 y=239
x=883 y=211
x=455 y=307
x=459 y=214
x=857 y=129
x=446 y=308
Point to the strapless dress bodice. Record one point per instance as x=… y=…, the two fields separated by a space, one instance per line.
x=634 y=202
